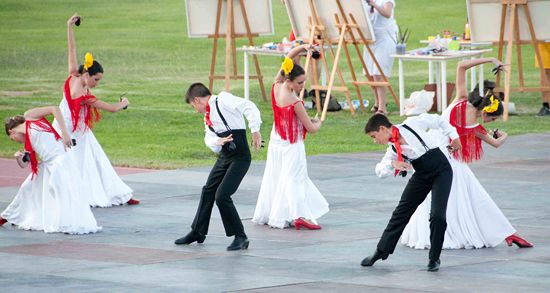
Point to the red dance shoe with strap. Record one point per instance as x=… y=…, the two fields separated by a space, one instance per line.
x=520 y=242
x=132 y=201
x=301 y=222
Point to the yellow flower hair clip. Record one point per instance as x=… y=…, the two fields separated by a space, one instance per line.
x=88 y=60
x=493 y=106
x=287 y=66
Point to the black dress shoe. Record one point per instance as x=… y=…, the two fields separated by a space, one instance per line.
x=190 y=238
x=433 y=265
x=544 y=111
x=238 y=243
x=370 y=260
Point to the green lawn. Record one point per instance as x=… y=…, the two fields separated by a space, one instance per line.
x=144 y=49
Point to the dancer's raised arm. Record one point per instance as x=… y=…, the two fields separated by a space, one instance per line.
x=39 y=113
x=73 y=63
x=293 y=54
x=461 y=91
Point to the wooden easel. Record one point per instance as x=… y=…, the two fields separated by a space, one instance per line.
x=319 y=36
x=230 y=49
x=514 y=37
x=363 y=41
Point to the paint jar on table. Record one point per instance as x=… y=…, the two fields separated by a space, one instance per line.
x=400 y=49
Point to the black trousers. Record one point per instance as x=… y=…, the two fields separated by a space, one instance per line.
x=432 y=173
x=222 y=183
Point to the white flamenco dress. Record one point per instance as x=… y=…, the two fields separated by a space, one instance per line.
x=473 y=218
x=51 y=201
x=101 y=185
x=286 y=192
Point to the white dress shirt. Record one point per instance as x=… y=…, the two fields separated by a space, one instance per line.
x=413 y=149
x=232 y=108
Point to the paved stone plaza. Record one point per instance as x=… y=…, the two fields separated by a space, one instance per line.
x=135 y=250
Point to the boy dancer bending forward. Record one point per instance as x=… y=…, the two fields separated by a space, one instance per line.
x=410 y=146
x=225 y=134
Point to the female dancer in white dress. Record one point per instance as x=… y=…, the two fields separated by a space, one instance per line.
x=385 y=30
x=473 y=218
x=102 y=186
x=287 y=195
x=49 y=199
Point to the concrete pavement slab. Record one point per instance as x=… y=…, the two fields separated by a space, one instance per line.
x=135 y=252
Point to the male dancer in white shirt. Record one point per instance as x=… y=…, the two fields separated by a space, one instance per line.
x=225 y=134
x=410 y=146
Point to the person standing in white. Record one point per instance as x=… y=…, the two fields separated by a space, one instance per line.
x=384 y=26
x=101 y=185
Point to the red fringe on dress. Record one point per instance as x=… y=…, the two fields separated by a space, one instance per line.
x=287 y=125
x=472 y=146
x=40 y=125
x=76 y=105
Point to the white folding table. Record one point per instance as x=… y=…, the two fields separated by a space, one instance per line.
x=440 y=61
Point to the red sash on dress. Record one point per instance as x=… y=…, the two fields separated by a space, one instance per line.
x=472 y=146
x=286 y=123
x=75 y=105
x=43 y=125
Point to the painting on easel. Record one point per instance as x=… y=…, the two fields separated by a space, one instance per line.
x=484 y=16
x=260 y=17
x=299 y=13
x=522 y=22
x=230 y=19
x=339 y=23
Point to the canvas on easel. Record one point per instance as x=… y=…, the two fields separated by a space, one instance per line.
x=198 y=13
x=328 y=22
x=230 y=19
x=349 y=18
x=521 y=22
x=299 y=12
x=317 y=33
x=484 y=17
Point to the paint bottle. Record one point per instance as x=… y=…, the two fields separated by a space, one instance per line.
x=467 y=31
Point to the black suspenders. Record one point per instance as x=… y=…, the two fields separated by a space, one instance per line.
x=223 y=120
x=417 y=136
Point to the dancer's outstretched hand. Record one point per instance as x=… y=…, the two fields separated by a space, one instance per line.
x=256 y=140
x=124 y=102
x=401 y=165
x=73 y=19
x=224 y=140
x=19 y=155
x=67 y=143
x=19 y=158
x=316 y=121
x=455 y=145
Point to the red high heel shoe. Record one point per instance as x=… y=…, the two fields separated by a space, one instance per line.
x=3 y=221
x=132 y=201
x=520 y=242
x=301 y=222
